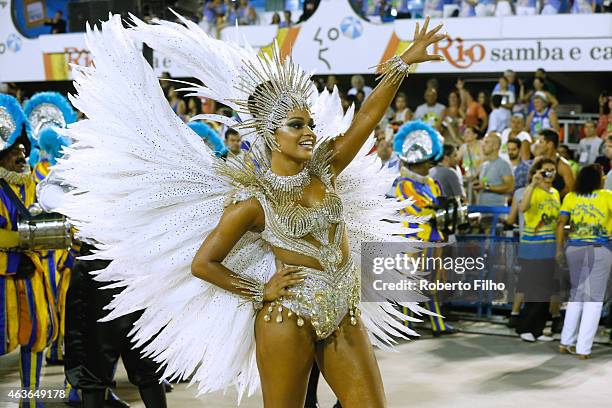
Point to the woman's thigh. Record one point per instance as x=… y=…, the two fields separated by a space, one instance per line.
x=285 y=355
x=349 y=366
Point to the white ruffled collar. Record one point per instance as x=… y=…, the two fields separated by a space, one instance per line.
x=404 y=172
x=14 y=177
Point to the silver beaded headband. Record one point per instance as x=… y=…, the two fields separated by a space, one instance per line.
x=7 y=124
x=276 y=88
x=43 y=115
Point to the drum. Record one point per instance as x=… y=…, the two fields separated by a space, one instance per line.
x=47 y=231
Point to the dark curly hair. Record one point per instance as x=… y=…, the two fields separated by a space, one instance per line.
x=589 y=179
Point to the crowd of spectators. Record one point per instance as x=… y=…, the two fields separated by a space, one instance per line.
x=389 y=10
x=218 y=14
x=496 y=132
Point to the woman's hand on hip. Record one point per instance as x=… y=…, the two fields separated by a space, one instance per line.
x=281 y=281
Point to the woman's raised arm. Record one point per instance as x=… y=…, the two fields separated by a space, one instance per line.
x=374 y=107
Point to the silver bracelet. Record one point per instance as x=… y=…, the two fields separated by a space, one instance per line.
x=396 y=69
x=252 y=289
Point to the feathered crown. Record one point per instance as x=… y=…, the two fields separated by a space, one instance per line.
x=417 y=142
x=262 y=89
x=47 y=109
x=275 y=88
x=210 y=137
x=12 y=120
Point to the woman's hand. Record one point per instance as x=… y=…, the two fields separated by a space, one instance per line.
x=422 y=39
x=477 y=186
x=537 y=178
x=284 y=278
x=560 y=258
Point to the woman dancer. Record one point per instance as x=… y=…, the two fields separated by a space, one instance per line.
x=276 y=226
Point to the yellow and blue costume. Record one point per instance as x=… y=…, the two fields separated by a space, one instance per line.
x=28 y=317
x=538 y=237
x=57 y=265
x=48 y=111
x=425 y=196
x=417 y=142
x=590 y=223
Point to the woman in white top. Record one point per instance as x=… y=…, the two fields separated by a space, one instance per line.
x=470 y=153
x=402 y=112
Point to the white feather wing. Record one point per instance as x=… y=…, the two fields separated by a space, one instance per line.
x=146 y=189
x=216 y=63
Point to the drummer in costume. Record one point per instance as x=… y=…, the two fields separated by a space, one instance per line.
x=28 y=317
x=419 y=147
x=46 y=112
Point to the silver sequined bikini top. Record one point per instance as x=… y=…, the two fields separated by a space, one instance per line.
x=287 y=222
x=299 y=221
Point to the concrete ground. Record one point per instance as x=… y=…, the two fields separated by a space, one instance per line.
x=462 y=370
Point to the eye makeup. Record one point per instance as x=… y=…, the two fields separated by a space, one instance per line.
x=298 y=123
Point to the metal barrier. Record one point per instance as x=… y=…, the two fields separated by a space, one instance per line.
x=489 y=248
x=570 y=126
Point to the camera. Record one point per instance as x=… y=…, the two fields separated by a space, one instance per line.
x=548 y=174
x=451 y=214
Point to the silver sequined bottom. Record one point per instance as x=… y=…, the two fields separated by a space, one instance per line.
x=325 y=297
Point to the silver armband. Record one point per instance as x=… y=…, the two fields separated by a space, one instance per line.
x=395 y=68
x=252 y=290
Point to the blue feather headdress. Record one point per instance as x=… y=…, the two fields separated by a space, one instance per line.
x=51 y=143
x=12 y=120
x=210 y=136
x=46 y=109
x=34 y=156
x=417 y=142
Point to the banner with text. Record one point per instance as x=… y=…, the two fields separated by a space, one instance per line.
x=336 y=40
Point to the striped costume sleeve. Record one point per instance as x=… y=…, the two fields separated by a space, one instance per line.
x=404 y=191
